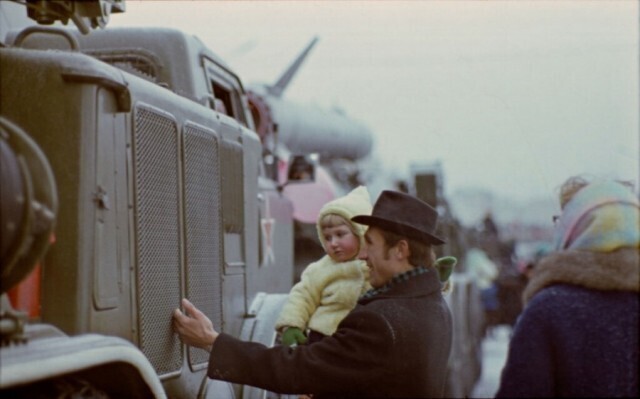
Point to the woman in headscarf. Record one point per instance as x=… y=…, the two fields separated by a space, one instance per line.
x=578 y=334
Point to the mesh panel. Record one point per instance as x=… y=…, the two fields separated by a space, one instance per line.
x=203 y=232
x=232 y=195
x=157 y=237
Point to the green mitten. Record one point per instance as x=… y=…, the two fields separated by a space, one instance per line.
x=444 y=266
x=293 y=335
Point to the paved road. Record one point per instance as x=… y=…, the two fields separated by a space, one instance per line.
x=494 y=353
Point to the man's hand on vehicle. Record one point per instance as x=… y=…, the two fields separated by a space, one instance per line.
x=194 y=327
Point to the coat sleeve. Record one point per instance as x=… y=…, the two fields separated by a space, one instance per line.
x=303 y=299
x=349 y=361
x=529 y=367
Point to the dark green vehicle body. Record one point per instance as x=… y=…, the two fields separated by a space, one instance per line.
x=160 y=197
x=164 y=191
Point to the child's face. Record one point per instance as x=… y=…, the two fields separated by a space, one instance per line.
x=340 y=243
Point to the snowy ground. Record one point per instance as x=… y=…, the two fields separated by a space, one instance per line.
x=494 y=353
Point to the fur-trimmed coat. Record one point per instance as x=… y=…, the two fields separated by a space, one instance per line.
x=578 y=335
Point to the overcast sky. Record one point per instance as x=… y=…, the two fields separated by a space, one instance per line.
x=511 y=96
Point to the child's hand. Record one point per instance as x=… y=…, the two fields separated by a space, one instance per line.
x=293 y=335
x=444 y=266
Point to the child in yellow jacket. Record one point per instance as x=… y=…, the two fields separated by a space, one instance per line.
x=330 y=287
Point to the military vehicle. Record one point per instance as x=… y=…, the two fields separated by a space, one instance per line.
x=136 y=169
x=132 y=176
x=340 y=146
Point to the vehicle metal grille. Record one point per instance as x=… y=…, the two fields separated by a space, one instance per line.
x=204 y=227
x=157 y=236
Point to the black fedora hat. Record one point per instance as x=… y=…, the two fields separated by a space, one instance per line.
x=403 y=214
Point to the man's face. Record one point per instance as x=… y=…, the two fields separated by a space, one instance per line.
x=382 y=266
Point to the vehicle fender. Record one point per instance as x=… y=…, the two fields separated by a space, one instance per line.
x=56 y=355
x=260 y=327
x=216 y=389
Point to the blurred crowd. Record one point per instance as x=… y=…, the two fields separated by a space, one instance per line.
x=501 y=269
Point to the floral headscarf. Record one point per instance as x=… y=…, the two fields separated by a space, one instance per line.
x=601 y=217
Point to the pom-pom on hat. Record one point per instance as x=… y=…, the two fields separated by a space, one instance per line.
x=403 y=214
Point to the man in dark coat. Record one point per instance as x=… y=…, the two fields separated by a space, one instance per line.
x=394 y=344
